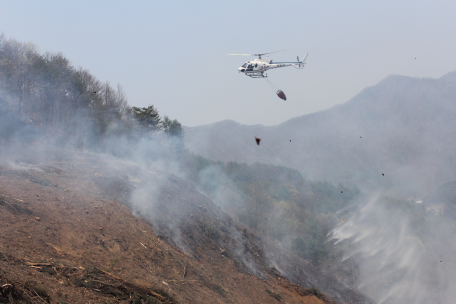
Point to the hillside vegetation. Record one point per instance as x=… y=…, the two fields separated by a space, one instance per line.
x=276 y=203
x=45 y=95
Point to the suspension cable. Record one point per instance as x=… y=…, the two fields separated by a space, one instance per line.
x=270 y=84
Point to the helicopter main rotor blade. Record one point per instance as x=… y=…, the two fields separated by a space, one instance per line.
x=268 y=53
x=255 y=54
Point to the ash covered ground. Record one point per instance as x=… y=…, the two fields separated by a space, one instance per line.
x=81 y=227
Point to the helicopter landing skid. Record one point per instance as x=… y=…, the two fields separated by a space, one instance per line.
x=257 y=75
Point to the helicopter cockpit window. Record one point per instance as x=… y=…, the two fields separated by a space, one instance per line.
x=244 y=65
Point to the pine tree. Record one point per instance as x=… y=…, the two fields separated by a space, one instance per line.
x=173 y=129
x=148 y=118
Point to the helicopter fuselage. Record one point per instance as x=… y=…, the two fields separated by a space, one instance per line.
x=257 y=68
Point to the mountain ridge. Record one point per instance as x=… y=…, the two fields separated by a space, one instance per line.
x=390 y=126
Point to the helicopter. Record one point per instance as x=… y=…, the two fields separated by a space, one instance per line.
x=259 y=66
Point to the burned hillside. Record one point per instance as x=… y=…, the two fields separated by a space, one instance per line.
x=80 y=227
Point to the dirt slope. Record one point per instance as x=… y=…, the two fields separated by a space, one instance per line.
x=84 y=228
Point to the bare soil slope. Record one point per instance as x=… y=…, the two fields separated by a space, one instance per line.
x=84 y=228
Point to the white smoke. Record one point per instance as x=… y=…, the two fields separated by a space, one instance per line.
x=404 y=253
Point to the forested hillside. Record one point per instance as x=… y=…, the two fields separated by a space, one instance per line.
x=402 y=127
x=43 y=96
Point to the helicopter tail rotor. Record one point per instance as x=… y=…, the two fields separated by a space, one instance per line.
x=303 y=62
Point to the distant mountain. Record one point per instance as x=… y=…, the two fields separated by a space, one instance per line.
x=445 y=194
x=403 y=127
x=442 y=200
x=450 y=77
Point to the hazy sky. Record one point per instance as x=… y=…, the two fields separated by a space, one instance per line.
x=172 y=53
